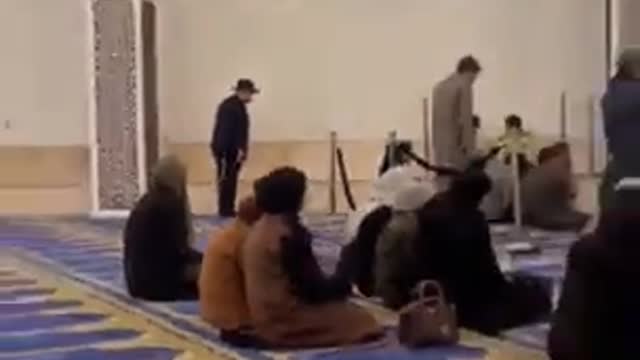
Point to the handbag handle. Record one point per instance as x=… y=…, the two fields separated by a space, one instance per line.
x=423 y=286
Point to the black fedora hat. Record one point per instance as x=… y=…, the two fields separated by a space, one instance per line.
x=246 y=85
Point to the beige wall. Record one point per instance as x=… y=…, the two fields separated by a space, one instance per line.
x=361 y=66
x=43 y=112
x=43 y=72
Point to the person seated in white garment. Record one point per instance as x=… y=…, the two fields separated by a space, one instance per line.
x=396 y=263
x=496 y=203
x=365 y=224
x=393 y=169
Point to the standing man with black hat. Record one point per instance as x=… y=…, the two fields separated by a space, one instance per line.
x=229 y=143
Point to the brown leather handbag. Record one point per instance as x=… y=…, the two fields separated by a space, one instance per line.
x=429 y=320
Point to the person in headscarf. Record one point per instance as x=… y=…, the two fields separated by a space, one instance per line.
x=394 y=155
x=159 y=262
x=456 y=250
x=223 y=301
x=292 y=302
x=496 y=203
x=383 y=189
x=598 y=314
x=621 y=111
x=394 y=169
x=397 y=267
x=365 y=225
x=548 y=192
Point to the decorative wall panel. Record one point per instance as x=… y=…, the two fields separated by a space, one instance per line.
x=116 y=105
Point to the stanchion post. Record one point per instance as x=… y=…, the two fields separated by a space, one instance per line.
x=591 y=136
x=517 y=195
x=392 y=140
x=563 y=116
x=426 y=128
x=333 y=145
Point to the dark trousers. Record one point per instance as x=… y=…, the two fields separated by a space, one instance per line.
x=227 y=177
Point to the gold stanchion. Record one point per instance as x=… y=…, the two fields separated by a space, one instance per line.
x=426 y=129
x=518 y=233
x=392 y=140
x=563 y=116
x=592 y=134
x=333 y=145
x=517 y=195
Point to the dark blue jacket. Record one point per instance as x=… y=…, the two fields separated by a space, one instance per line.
x=231 y=130
x=621 y=111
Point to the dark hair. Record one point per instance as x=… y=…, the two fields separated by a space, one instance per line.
x=620 y=224
x=468 y=64
x=281 y=191
x=248 y=211
x=399 y=158
x=623 y=73
x=552 y=151
x=476 y=121
x=513 y=120
x=470 y=187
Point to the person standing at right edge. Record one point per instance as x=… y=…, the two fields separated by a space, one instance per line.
x=229 y=143
x=621 y=113
x=453 y=129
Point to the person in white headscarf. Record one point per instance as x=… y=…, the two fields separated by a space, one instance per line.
x=497 y=201
x=160 y=264
x=365 y=224
x=394 y=170
x=396 y=260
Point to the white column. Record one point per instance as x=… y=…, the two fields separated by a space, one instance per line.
x=140 y=109
x=92 y=115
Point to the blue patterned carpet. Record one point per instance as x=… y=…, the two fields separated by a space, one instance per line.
x=88 y=253
x=35 y=323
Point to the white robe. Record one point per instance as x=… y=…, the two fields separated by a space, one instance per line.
x=384 y=191
x=497 y=200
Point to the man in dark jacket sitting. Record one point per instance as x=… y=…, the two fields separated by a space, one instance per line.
x=455 y=248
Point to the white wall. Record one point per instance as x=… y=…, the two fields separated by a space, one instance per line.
x=362 y=66
x=43 y=77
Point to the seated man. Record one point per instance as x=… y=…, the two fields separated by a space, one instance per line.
x=548 y=192
x=159 y=262
x=223 y=302
x=455 y=249
x=518 y=140
x=598 y=314
x=292 y=302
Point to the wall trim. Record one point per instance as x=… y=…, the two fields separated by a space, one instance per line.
x=109 y=214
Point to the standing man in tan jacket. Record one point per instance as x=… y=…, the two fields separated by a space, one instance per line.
x=453 y=131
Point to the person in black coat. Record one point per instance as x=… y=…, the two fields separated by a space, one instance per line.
x=159 y=263
x=598 y=313
x=456 y=250
x=229 y=143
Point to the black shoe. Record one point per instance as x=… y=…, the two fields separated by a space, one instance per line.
x=227 y=214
